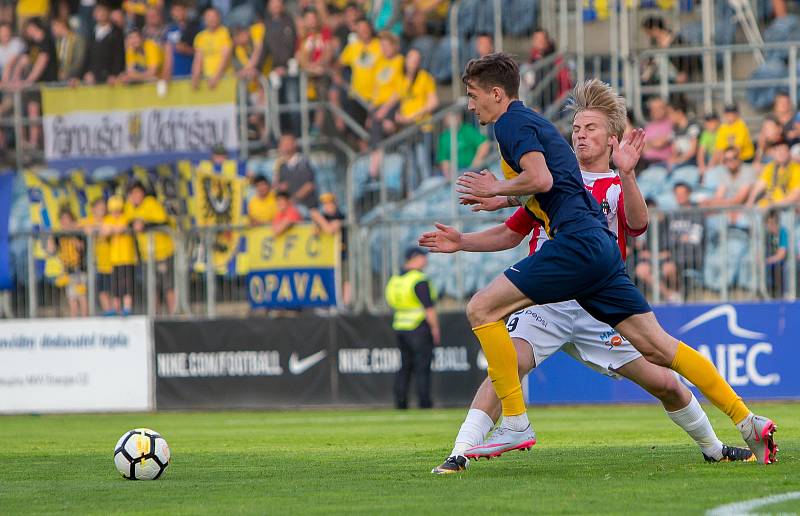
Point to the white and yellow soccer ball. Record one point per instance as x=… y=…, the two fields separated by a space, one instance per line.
x=141 y=454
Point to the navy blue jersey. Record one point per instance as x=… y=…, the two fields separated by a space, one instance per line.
x=567 y=207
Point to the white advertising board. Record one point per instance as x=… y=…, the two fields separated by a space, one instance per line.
x=76 y=365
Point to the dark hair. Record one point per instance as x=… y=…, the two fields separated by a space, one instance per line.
x=711 y=115
x=137 y=185
x=493 y=70
x=683 y=184
x=65 y=210
x=780 y=140
x=283 y=194
x=260 y=179
x=653 y=22
x=36 y=22
x=731 y=148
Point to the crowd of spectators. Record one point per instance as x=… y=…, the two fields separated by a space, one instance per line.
x=718 y=164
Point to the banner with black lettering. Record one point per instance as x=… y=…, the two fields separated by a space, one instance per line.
x=368 y=359
x=249 y=363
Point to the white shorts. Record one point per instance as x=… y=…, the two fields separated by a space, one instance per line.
x=568 y=327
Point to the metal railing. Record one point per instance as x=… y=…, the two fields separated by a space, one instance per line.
x=730 y=84
x=688 y=255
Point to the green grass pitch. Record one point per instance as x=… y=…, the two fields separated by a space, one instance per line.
x=597 y=460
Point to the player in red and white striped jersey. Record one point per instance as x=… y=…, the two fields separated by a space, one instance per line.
x=539 y=331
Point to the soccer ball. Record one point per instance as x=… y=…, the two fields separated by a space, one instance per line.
x=141 y=454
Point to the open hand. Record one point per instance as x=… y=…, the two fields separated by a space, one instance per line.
x=479 y=184
x=626 y=154
x=484 y=203
x=445 y=239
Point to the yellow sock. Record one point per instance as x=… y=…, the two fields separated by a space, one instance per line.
x=502 y=359
x=701 y=372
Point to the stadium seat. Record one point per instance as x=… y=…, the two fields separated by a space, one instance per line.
x=688 y=174
x=519 y=17
x=651 y=180
x=761 y=97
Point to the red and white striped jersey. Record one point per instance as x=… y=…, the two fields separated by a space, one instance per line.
x=606 y=188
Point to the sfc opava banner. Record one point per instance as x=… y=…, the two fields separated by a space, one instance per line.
x=93 y=126
x=76 y=365
x=297 y=269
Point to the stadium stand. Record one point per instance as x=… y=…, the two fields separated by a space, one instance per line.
x=324 y=99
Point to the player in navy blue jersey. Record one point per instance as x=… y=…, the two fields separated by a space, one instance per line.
x=580 y=261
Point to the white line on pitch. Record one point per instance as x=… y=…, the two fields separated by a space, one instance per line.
x=746 y=506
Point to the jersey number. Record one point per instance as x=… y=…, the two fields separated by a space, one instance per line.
x=512 y=324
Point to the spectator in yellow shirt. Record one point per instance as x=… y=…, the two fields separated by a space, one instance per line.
x=143 y=58
x=386 y=96
x=262 y=207
x=122 y=254
x=93 y=225
x=150 y=222
x=213 y=48
x=418 y=98
x=733 y=132
x=360 y=56
x=779 y=182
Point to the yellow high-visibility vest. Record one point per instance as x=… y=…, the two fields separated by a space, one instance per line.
x=400 y=296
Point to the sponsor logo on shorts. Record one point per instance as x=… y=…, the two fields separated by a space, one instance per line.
x=612 y=339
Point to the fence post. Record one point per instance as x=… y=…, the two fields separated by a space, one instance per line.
x=498 y=25
x=791 y=217
x=613 y=20
x=150 y=277
x=305 y=142
x=455 y=62
x=244 y=147
x=723 y=243
x=655 y=260
x=19 y=130
x=91 y=274
x=793 y=74
x=580 y=54
x=727 y=75
x=32 y=301
x=709 y=61
x=211 y=294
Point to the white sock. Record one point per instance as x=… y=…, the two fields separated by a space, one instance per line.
x=517 y=423
x=744 y=425
x=473 y=431
x=694 y=422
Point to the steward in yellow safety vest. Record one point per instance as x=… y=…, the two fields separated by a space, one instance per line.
x=411 y=296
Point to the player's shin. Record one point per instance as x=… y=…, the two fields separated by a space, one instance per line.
x=701 y=372
x=694 y=421
x=502 y=358
x=473 y=431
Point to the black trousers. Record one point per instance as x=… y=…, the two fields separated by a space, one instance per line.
x=416 y=352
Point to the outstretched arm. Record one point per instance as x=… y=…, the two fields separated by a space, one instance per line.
x=447 y=239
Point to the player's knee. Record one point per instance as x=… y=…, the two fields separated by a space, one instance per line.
x=656 y=356
x=477 y=311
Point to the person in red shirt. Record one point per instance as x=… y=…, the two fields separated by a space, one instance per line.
x=315 y=53
x=287 y=215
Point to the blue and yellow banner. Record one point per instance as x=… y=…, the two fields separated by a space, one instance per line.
x=297 y=269
x=92 y=126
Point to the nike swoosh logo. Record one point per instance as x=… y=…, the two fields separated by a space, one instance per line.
x=513 y=269
x=298 y=366
x=729 y=312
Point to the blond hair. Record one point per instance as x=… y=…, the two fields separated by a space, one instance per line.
x=595 y=95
